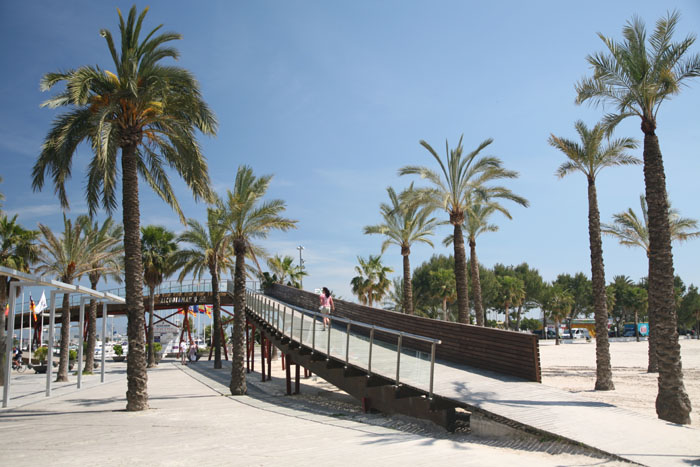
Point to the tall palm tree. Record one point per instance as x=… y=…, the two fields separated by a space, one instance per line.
x=637 y=78
x=150 y=112
x=157 y=248
x=405 y=223
x=632 y=230
x=461 y=180
x=248 y=217
x=590 y=157
x=210 y=250
x=371 y=283
x=18 y=250
x=109 y=237
x=476 y=222
x=283 y=268
x=69 y=257
x=512 y=293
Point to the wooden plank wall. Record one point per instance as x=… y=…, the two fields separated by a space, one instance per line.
x=506 y=352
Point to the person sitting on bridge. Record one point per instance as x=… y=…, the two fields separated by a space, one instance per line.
x=327 y=306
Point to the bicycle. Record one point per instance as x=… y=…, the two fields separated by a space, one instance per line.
x=19 y=366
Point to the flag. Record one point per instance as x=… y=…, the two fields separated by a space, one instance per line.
x=41 y=306
x=207 y=310
x=32 y=307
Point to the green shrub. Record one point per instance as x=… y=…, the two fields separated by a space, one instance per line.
x=118 y=350
x=41 y=353
x=72 y=354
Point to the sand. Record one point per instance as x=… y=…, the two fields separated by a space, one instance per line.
x=572 y=367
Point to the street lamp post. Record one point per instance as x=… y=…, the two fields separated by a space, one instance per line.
x=301 y=267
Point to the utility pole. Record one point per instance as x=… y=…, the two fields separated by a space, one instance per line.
x=301 y=267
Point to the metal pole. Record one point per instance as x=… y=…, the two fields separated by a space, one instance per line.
x=21 y=323
x=432 y=369
x=104 y=334
x=291 y=327
x=80 y=342
x=328 y=345
x=347 y=345
x=313 y=334
x=49 y=354
x=301 y=268
x=398 y=358
x=8 y=345
x=371 y=341
x=301 y=329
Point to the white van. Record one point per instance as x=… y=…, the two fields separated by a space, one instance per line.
x=580 y=333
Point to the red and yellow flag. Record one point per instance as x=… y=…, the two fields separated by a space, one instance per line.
x=32 y=308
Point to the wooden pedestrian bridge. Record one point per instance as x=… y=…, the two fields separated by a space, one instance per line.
x=440 y=371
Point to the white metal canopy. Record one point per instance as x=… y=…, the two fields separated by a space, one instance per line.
x=23 y=280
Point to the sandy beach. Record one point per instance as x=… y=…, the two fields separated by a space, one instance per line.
x=572 y=367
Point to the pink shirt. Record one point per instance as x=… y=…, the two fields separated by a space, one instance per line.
x=326 y=301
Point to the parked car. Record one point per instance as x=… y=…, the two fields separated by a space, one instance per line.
x=580 y=333
x=629 y=333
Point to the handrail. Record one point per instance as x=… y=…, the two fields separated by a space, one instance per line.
x=266 y=308
x=365 y=325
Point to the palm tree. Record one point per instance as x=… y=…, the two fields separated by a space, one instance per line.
x=282 y=267
x=589 y=158
x=371 y=283
x=559 y=304
x=69 y=257
x=404 y=224
x=248 y=217
x=637 y=79
x=395 y=296
x=157 y=248
x=17 y=251
x=442 y=284
x=462 y=179
x=210 y=250
x=512 y=292
x=476 y=223
x=108 y=236
x=632 y=230
x=148 y=111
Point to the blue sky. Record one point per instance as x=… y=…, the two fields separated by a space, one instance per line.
x=332 y=98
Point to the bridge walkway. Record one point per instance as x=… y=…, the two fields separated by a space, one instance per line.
x=496 y=401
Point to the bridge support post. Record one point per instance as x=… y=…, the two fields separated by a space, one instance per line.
x=269 y=359
x=288 y=376
x=296 y=378
x=262 y=357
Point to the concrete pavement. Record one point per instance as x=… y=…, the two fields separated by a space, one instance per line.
x=192 y=421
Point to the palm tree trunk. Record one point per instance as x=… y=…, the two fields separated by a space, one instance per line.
x=544 y=325
x=476 y=283
x=506 y=321
x=92 y=331
x=604 y=380
x=62 y=374
x=238 y=385
x=518 y=315
x=136 y=375
x=636 y=324
x=214 y=271
x=556 y=333
x=672 y=402
x=461 y=275
x=4 y=284
x=653 y=366
x=407 y=286
x=151 y=330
